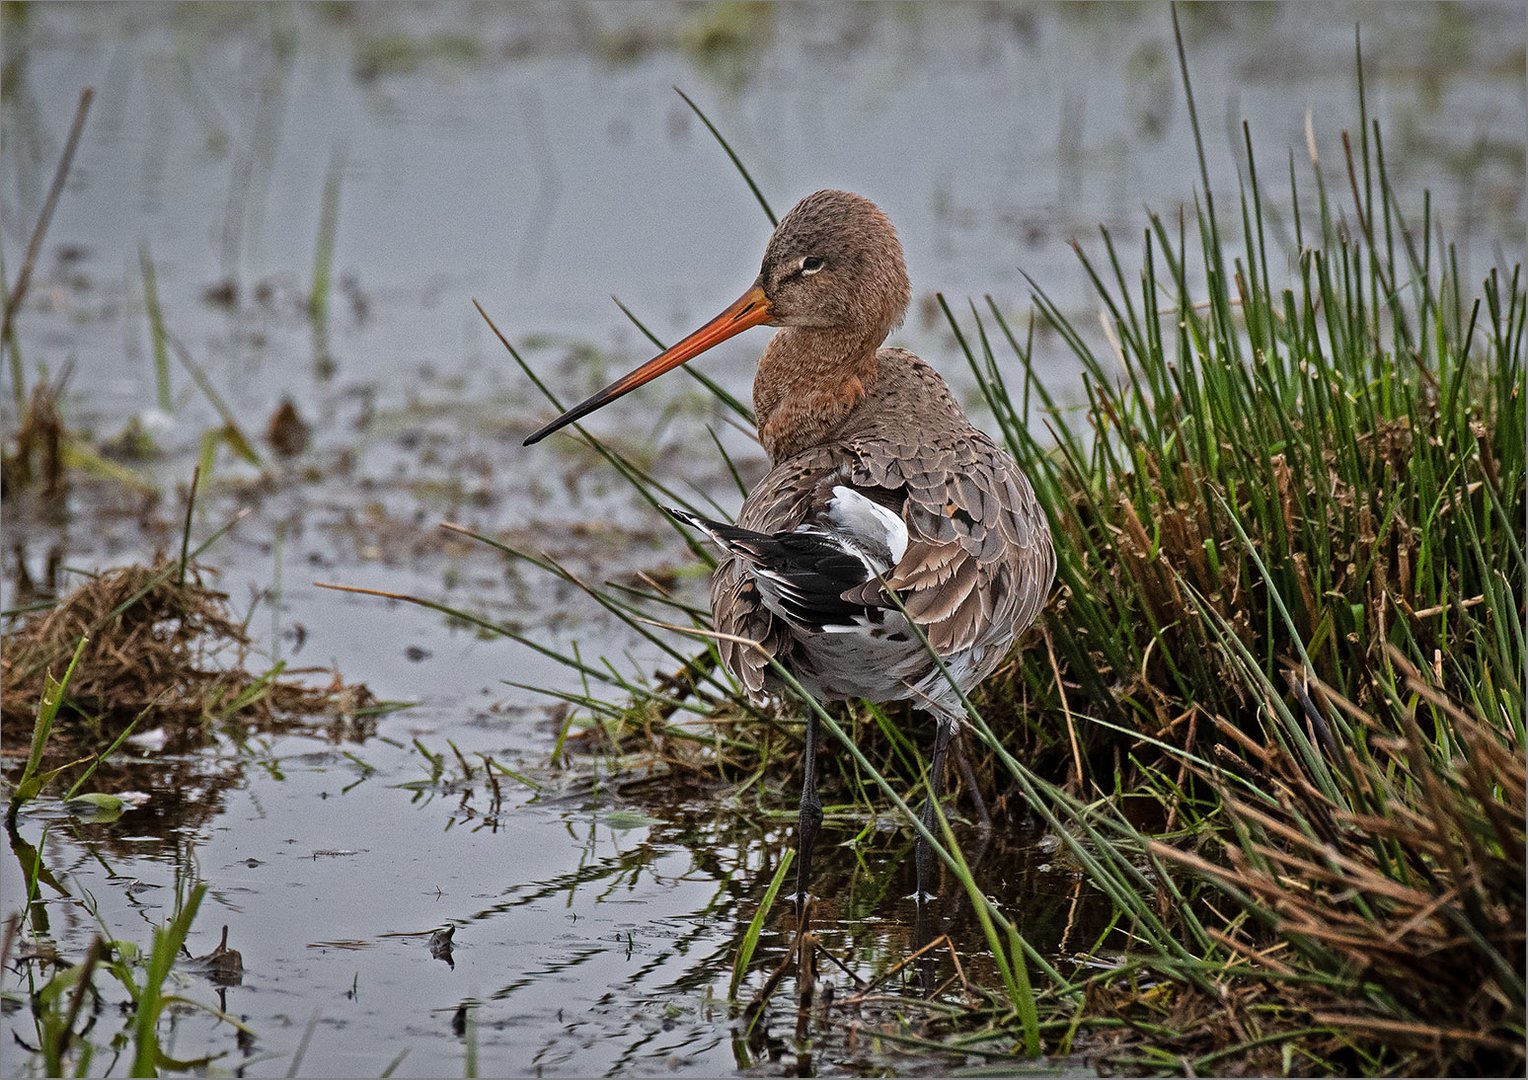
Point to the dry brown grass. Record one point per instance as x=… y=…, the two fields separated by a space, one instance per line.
x=156 y=643
x=36 y=453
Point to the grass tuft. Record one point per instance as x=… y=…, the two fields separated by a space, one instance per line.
x=1289 y=629
x=159 y=638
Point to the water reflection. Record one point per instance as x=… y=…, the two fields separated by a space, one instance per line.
x=877 y=952
x=619 y=960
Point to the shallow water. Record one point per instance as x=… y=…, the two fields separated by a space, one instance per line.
x=536 y=158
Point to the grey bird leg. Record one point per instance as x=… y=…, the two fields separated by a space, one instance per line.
x=811 y=813
x=983 y=816
x=925 y=852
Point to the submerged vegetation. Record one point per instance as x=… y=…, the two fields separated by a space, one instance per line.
x=1275 y=709
x=160 y=640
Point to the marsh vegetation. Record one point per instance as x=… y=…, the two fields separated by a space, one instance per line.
x=1258 y=774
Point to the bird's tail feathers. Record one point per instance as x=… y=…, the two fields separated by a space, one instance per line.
x=721 y=534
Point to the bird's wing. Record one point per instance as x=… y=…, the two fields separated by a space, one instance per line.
x=973 y=562
x=794 y=563
x=751 y=634
x=804 y=573
x=781 y=501
x=979 y=560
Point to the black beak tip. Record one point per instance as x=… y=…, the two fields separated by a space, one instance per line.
x=542 y=432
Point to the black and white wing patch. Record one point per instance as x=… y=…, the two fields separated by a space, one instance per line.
x=879 y=535
x=804 y=574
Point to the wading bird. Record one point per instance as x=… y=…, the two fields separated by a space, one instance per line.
x=884 y=503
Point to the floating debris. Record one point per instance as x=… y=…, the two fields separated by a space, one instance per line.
x=287 y=432
x=440 y=946
x=222 y=965
x=104 y=806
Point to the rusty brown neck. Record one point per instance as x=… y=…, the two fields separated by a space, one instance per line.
x=809 y=380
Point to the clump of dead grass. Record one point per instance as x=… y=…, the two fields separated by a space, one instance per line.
x=159 y=641
x=1387 y=913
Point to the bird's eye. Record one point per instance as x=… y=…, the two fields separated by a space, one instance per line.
x=811 y=264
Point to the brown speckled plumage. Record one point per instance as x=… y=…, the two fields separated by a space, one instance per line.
x=979 y=561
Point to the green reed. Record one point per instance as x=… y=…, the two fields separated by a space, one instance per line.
x=1274 y=711
x=1288 y=524
x=164 y=396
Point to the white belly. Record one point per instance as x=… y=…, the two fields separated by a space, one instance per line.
x=889 y=664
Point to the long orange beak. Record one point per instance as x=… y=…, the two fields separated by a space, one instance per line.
x=750 y=309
